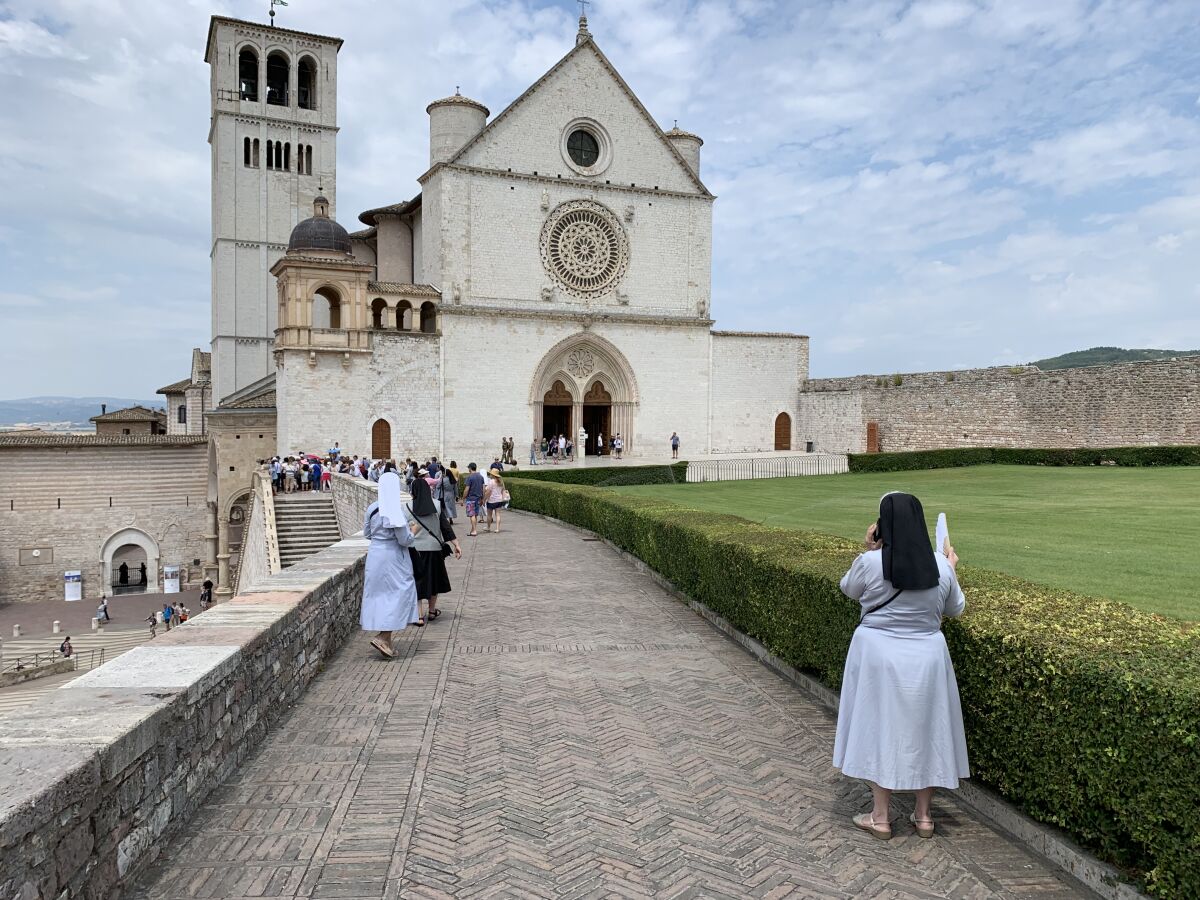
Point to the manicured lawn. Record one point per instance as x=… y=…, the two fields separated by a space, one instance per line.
x=1123 y=533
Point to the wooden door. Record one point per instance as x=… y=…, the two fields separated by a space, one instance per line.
x=381 y=440
x=872 y=437
x=783 y=432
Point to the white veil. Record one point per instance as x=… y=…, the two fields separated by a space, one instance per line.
x=391 y=507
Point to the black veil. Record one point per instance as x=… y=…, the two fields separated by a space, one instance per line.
x=908 y=561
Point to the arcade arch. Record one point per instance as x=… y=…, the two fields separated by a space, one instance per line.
x=585 y=381
x=133 y=547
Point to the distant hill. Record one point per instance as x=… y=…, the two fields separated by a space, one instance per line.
x=1102 y=356
x=73 y=410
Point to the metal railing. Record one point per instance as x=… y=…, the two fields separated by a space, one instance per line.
x=26 y=661
x=766 y=467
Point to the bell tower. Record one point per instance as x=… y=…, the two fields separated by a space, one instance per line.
x=273 y=135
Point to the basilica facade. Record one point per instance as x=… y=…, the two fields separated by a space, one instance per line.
x=551 y=276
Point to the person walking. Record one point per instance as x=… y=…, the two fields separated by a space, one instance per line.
x=900 y=724
x=65 y=647
x=102 y=610
x=473 y=497
x=495 y=497
x=389 y=601
x=206 y=594
x=168 y=612
x=533 y=451
x=674 y=445
x=153 y=625
x=433 y=544
x=447 y=493
x=618 y=445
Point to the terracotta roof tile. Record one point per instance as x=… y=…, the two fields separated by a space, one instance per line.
x=64 y=439
x=131 y=414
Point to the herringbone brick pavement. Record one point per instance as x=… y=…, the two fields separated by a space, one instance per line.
x=566 y=729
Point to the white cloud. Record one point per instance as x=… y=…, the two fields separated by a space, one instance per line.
x=939 y=182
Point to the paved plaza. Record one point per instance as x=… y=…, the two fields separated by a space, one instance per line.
x=566 y=729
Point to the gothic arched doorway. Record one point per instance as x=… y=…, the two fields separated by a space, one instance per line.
x=381 y=440
x=585 y=384
x=597 y=418
x=783 y=432
x=556 y=411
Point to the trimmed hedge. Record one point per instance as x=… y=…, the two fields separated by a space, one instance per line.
x=604 y=476
x=1083 y=712
x=1019 y=456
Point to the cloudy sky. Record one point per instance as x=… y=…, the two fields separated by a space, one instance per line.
x=920 y=184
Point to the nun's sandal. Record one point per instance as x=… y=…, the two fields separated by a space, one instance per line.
x=924 y=826
x=867 y=823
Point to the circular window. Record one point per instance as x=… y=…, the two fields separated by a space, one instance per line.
x=584 y=247
x=583 y=148
x=586 y=147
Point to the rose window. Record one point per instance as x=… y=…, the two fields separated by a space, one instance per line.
x=584 y=247
x=580 y=363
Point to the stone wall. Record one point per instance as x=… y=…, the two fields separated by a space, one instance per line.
x=754 y=379
x=127 y=752
x=351 y=497
x=259 y=557
x=1147 y=403
x=69 y=502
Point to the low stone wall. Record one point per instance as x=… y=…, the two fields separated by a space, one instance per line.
x=259 y=558
x=29 y=673
x=97 y=777
x=1126 y=405
x=351 y=497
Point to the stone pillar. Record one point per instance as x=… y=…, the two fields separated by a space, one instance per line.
x=224 y=588
x=538 y=421
x=576 y=421
x=210 y=545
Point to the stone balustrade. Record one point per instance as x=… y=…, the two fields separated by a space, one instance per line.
x=97 y=777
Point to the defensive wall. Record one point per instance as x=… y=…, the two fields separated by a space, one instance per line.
x=1132 y=404
x=97 y=777
x=70 y=502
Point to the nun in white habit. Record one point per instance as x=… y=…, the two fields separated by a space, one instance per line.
x=389 y=594
x=900 y=724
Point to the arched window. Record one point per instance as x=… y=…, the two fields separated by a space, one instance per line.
x=308 y=160
x=287 y=157
x=270 y=154
x=278 y=72
x=246 y=151
x=279 y=154
x=248 y=74
x=404 y=316
x=381 y=439
x=306 y=84
x=327 y=309
x=254 y=155
x=379 y=313
x=182 y=414
x=783 y=432
x=428 y=317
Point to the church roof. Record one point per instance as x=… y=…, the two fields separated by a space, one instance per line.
x=369 y=217
x=176 y=388
x=587 y=43
x=131 y=414
x=459 y=100
x=397 y=287
x=271 y=29
x=65 y=439
x=258 y=395
x=679 y=132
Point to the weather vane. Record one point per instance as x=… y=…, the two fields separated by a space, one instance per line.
x=275 y=3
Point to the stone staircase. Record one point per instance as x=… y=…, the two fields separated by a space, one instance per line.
x=304 y=524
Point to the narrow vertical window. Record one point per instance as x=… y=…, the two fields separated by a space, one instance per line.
x=287 y=156
x=308 y=160
x=270 y=154
x=246 y=151
x=248 y=74
x=255 y=154
x=278 y=155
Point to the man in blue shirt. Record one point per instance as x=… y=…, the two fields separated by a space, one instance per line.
x=315 y=476
x=168 y=611
x=473 y=496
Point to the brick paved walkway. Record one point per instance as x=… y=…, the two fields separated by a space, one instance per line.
x=567 y=729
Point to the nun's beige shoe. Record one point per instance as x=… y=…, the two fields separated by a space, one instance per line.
x=867 y=823
x=924 y=826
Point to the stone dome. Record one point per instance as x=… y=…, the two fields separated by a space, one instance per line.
x=319 y=232
x=458 y=99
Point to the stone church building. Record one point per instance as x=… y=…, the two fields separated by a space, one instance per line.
x=552 y=274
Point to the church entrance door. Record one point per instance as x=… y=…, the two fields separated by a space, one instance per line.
x=556 y=411
x=597 y=418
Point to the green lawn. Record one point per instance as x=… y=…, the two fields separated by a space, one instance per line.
x=1123 y=533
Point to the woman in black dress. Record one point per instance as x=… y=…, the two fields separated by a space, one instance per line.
x=435 y=541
